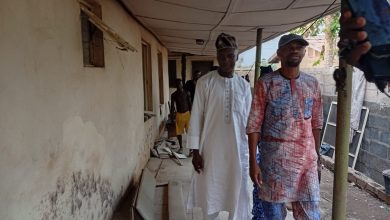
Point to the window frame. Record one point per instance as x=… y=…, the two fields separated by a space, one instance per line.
x=92 y=36
x=147 y=76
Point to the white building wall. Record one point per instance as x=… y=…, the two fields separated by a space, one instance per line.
x=72 y=138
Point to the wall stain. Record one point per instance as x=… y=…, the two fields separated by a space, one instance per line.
x=82 y=195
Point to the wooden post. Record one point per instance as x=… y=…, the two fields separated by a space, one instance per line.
x=258 y=53
x=183 y=68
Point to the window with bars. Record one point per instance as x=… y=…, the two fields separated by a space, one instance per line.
x=161 y=77
x=147 y=76
x=92 y=37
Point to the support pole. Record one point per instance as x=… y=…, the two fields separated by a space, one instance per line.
x=340 y=184
x=343 y=126
x=258 y=53
x=183 y=68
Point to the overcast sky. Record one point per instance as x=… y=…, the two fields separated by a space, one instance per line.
x=267 y=50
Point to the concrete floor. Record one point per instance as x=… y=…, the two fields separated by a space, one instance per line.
x=360 y=205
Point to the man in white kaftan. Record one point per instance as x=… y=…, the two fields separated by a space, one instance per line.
x=217 y=136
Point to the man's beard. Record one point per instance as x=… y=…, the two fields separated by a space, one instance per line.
x=292 y=63
x=227 y=69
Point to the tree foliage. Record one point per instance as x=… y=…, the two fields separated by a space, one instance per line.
x=329 y=26
x=319 y=27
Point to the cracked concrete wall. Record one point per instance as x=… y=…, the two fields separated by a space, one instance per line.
x=70 y=136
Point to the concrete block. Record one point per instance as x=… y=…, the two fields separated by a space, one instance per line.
x=329 y=89
x=388 y=154
x=385 y=136
x=146 y=195
x=379 y=149
x=362 y=167
x=223 y=215
x=351 y=177
x=377 y=176
x=371 y=93
x=197 y=213
x=362 y=155
x=328 y=78
x=378 y=121
x=153 y=165
x=372 y=133
x=379 y=164
x=372 y=166
x=365 y=145
x=372 y=188
x=176 y=205
x=327 y=162
x=361 y=181
x=383 y=196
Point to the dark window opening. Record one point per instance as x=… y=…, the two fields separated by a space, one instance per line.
x=161 y=77
x=92 y=38
x=172 y=73
x=147 y=76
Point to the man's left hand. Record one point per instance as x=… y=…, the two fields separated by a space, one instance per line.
x=197 y=161
x=255 y=174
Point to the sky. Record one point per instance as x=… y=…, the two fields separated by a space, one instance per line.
x=267 y=50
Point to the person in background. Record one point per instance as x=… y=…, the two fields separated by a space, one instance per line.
x=247 y=77
x=286 y=118
x=180 y=110
x=265 y=70
x=217 y=137
x=191 y=84
x=257 y=210
x=214 y=68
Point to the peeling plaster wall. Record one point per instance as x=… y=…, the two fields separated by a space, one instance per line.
x=72 y=138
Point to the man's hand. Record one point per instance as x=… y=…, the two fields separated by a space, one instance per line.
x=316 y=135
x=197 y=161
x=172 y=116
x=351 y=30
x=255 y=173
x=254 y=169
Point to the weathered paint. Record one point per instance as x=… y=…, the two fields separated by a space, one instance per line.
x=75 y=197
x=72 y=138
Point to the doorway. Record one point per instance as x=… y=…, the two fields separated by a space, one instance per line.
x=203 y=66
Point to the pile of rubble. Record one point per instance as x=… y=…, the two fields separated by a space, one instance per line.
x=165 y=148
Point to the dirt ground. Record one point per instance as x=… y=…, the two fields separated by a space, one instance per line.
x=360 y=204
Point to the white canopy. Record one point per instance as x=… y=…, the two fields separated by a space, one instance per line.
x=178 y=23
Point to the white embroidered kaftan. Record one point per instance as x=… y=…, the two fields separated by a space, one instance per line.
x=217 y=128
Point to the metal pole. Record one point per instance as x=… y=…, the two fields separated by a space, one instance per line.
x=340 y=184
x=258 y=53
x=342 y=148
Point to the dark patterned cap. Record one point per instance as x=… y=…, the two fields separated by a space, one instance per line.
x=285 y=39
x=225 y=41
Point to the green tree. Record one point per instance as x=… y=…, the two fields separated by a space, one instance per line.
x=330 y=27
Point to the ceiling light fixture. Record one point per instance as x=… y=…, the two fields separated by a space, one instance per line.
x=199 y=41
